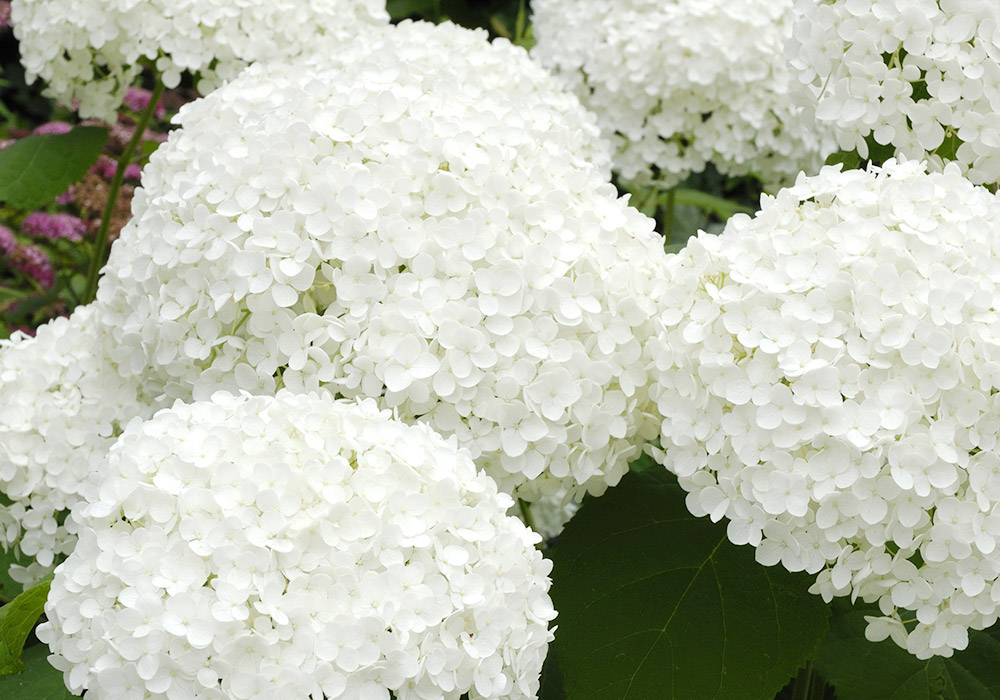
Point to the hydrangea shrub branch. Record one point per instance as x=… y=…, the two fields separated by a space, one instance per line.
x=122 y=163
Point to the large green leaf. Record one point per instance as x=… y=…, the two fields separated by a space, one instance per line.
x=862 y=670
x=38 y=168
x=17 y=618
x=655 y=604
x=551 y=682
x=38 y=682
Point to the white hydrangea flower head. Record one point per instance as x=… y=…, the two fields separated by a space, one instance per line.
x=392 y=224
x=921 y=76
x=677 y=84
x=299 y=546
x=64 y=401
x=827 y=378
x=92 y=50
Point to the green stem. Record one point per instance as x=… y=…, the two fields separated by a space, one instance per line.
x=803 y=682
x=520 y=22
x=526 y=513
x=668 y=216
x=101 y=238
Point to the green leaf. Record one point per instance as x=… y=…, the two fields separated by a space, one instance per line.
x=8 y=586
x=146 y=149
x=850 y=159
x=655 y=604
x=401 y=9
x=551 y=682
x=17 y=618
x=722 y=208
x=38 y=682
x=37 y=168
x=862 y=670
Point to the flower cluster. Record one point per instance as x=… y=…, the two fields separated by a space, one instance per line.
x=828 y=376
x=35 y=263
x=297 y=547
x=54 y=226
x=93 y=50
x=62 y=404
x=921 y=76
x=682 y=83
x=27 y=259
x=396 y=223
x=8 y=243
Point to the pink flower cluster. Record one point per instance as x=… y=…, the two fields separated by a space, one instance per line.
x=105 y=167
x=54 y=226
x=29 y=259
x=137 y=99
x=32 y=261
x=7 y=241
x=53 y=128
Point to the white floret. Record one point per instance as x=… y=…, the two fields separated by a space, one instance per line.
x=827 y=376
x=678 y=84
x=301 y=547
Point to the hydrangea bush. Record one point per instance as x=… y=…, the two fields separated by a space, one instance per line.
x=828 y=376
x=252 y=546
x=366 y=267
x=679 y=84
x=920 y=77
x=92 y=52
x=451 y=251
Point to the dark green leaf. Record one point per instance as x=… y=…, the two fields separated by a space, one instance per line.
x=401 y=9
x=146 y=149
x=948 y=150
x=37 y=168
x=877 y=152
x=17 y=618
x=850 y=159
x=862 y=670
x=8 y=587
x=722 y=208
x=551 y=684
x=38 y=682
x=655 y=604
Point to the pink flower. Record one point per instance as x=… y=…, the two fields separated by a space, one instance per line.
x=137 y=99
x=4 y=14
x=53 y=128
x=7 y=241
x=105 y=167
x=32 y=261
x=53 y=226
